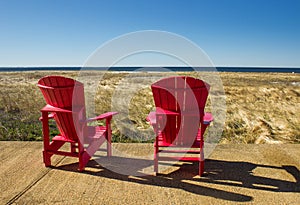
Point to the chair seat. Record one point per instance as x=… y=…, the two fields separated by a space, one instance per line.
x=62 y=139
x=93 y=133
x=96 y=132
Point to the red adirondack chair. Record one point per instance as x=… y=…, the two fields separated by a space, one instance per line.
x=66 y=105
x=179 y=120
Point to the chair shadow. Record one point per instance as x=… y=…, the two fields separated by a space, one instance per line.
x=236 y=174
x=241 y=174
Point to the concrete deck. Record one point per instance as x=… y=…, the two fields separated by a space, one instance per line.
x=243 y=174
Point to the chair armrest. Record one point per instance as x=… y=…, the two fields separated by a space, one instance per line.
x=50 y=116
x=208 y=118
x=49 y=108
x=106 y=115
x=151 y=118
x=159 y=111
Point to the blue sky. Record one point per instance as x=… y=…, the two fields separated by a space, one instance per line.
x=231 y=32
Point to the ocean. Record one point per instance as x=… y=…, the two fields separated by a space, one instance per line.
x=158 y=69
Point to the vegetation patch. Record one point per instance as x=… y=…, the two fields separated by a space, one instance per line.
x=260 y=107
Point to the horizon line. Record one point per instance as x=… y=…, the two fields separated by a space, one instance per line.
x=103 y=66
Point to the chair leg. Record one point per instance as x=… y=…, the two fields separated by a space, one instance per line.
x=73 y=147
x=108 y=136
x=201 y=168
x=156 y=157
x=201 y=162
x=81 y=157
x=53 y=146
x=109 y=152
x=47 y=159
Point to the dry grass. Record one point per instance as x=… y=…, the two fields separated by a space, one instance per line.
x=261 y=107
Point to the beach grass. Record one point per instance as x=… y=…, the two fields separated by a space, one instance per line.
x=260 y=107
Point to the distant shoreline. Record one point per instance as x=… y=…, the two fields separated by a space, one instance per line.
x=157 y=69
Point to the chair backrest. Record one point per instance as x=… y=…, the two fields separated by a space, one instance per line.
x=68 y=94
x=186 y=96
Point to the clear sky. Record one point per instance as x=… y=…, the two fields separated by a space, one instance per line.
x=231 y=32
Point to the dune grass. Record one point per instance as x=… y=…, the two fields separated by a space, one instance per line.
x=260 y=107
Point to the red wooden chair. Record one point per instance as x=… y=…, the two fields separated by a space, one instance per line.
x=179 y=120
x=66 y=105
